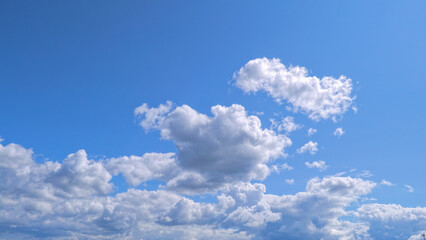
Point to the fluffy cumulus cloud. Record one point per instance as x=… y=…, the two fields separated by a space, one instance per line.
x=214 y=150
x=36 y=204
x=311 y=147
x=392 y=221
x=321 y=165
x=320 y=98
x=287 y=125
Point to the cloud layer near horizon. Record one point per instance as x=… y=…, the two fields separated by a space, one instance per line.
x=73 y=199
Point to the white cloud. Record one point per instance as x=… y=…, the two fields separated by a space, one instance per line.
x=289 y=181
x=135 y=169
x=152 y=115
x=230 y=146
x=287 y=125
x=321 y=165
x=311 y=131
x=386 y=183
x=317 y=212
x=392 y=221
x=311 y=147
x=30 y=200
x=319 y=98
x=287 y=167
x=338 y=132
x=409 y=188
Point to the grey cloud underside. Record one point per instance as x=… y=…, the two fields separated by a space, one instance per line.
x=227 y=147
x=35 y=204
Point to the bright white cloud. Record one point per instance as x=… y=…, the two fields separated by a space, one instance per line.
x=320 y=98
x=152 y=115
x=230 y=146
x=311 y=147
x=311 y=131
x=338 y=132
x=287 y=125
x=321 y=165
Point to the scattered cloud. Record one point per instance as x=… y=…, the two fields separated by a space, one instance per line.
x=287 y=167
x=386 y=183
x=409 y=188
x=319 y=98
x=311 y=147
x=338 y=132
x=321 y=165
x=311 y=131
x=287 y=125
x=289 y=181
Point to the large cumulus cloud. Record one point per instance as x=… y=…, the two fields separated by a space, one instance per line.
x=230 y=146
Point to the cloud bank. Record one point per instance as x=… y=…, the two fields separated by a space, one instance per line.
x=72 y=200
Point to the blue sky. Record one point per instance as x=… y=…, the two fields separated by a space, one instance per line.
x=73 y=73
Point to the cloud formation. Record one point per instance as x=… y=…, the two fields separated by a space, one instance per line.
x=287 y=125
x=338 y=132
x=311 y=131
x=227 y=147
x=321 y=165
x=311 y=147
x=33 y=195
x=319 y=98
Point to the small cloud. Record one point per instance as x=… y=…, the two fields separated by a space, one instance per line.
x=339 y=174
x=386 y=183
x=321 y=165
x=1 y=139
x=289 y=181
x=287 y=125
x=287 y=167
x=409 y=188
x=311 y=131
x=338 y=132
x=364 y=174
x=311 y=147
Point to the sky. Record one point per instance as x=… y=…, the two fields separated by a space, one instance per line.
x=212 y=119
